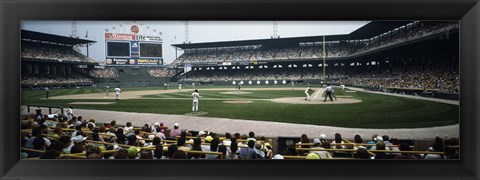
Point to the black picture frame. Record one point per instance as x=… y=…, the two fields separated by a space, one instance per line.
x=12 y=12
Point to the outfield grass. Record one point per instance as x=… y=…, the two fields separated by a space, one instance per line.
x=375 y=110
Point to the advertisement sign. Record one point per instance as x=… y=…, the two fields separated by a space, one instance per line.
x=148 y=61
x=119 y=36
x=148 y=38
x=119 y=61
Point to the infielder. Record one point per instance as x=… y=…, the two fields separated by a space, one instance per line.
x=195 y=97
x=179 y=87
x=238 y=88
x=328 y=91
x=307 y=93
x=117 y=94
x=107 y=89
x=164 y=86
x=46 y=91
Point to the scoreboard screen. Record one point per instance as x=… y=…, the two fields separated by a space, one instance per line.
x=150 y=49
x=118 y=49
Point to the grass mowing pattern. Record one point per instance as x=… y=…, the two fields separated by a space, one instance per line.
x=375 y=110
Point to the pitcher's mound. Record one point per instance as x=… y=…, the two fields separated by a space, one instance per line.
x=237 y=102
x=301 y=100
x=235 y=92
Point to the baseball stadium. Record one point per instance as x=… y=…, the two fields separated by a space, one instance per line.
x=386 y=90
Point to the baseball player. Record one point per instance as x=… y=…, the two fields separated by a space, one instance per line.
x=164 y=86
x=307 y=92
x=179 y=86
x=195 y=97
x=238 y=88
x=328 y=91
x=343 y=86
x=117 y=94
x=107 y=89
x=46 y=91
x=293 y=85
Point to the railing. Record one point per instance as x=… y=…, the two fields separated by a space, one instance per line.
x=49 y=108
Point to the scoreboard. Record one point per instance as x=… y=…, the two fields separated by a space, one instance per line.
x=129 y=49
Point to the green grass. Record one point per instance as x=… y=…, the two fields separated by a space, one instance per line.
x=375 y=110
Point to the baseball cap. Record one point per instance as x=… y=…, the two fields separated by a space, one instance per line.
x=201 y=133
x=156 y=124
x=322 y=136
x=379 y=139
x=78 y=139
x=132 y=151
x=176 y=124
x=278 y=156
x=316 y=141
x=208 y=138
x=313 y=156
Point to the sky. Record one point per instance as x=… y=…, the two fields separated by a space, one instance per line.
x=173 y=32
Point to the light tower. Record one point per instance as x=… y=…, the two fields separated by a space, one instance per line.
x=187 y=32
x=73 y=34
x=275 y=29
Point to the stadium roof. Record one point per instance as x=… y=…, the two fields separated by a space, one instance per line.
x=32 y=35
x=365 y=32
x=376 y=28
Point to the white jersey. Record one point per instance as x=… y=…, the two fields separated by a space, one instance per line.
x=108 y=87
x=329 y=88
x=195 y=96
x=117 y=90
x=308 y=89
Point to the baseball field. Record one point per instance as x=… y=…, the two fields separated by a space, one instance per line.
x=353 y=108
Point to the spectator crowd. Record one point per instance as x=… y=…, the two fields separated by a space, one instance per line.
x=104 y=73
x=55 y=136
x=52 y=52
x=334 y=49
x=162 y=72
x=45 y=80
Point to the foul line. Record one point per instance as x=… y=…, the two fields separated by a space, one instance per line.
x=317 y=93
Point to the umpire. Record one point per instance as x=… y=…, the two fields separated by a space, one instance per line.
x=329 y=90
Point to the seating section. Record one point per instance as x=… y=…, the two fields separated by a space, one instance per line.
x=63 y=136
x=334 y=49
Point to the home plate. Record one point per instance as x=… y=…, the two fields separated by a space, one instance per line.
x=92 y=103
